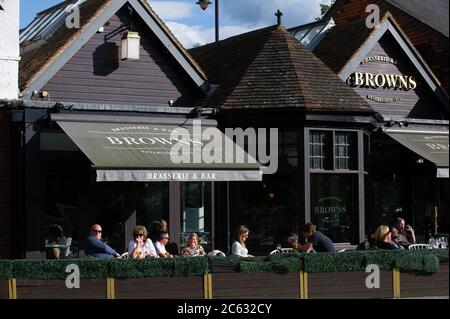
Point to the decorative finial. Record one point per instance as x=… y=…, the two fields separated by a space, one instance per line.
x=279 y=14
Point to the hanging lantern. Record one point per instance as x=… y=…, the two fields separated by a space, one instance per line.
x=131 y=44
x=204 y=4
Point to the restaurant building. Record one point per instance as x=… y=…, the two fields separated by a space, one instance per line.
x=389 y=68
x=338 y=164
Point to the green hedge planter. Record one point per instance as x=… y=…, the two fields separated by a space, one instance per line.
x=424 y=261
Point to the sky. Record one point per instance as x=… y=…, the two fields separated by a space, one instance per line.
x=193 y=26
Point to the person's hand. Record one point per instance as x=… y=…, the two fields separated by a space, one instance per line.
x=409 y=228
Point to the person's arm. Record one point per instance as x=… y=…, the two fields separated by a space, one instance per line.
x=411 y=232
x=306 y=248
x=150 y=250
x=201 y=251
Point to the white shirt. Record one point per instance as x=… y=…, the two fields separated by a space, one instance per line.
x=160 y=248
x=238 y=249
x=147 y=249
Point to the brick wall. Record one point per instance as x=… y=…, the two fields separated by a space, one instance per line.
x=431 y=44
x=5 y=213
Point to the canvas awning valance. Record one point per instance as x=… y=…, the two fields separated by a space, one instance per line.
x=133 y=149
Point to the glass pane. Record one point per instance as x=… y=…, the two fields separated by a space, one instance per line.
x=311 y=35
x=269 y=211
x=334 y=199
x=290 y=138
x=196 y=212
x=300 y=34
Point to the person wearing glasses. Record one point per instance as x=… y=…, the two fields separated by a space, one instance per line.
x=141 y=247
x=95 y=247
x=240 y=236
x=160 y=245
x=193 y=247
x=383 y=238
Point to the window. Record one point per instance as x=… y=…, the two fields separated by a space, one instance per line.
x=320 y=150
x=344 y=151
x=289 y=149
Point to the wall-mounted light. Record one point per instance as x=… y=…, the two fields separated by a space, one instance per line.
x=131 y=44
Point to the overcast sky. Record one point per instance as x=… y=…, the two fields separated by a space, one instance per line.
x=193 y=26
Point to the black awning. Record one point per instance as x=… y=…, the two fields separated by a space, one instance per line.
x=161 y=152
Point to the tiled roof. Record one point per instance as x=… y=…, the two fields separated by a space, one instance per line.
x=269 y=68
x=434 y=13
x=34 y=62
x=341 y=42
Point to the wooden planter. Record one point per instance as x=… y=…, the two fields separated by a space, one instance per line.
x=412 y=285
x=56 y=289
x=160 y=288
x=348 y=285
x=4 y=289
x=255 y=285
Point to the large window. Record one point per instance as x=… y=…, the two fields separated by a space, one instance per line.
x=334 y=187
x=334 y=199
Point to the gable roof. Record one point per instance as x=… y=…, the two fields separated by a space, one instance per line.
x=433 y=13
x=343 y=54
x=38 y=65
x=269 y=68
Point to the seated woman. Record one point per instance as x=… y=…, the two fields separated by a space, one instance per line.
x=383 y=238
x=141 y=247
x=240 y=236
x=193 y=247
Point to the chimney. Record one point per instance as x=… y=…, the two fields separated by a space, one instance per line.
x=9 y=49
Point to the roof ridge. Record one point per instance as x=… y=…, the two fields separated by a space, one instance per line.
x=287 y=35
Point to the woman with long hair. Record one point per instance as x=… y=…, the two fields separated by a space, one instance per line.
x=240 y=236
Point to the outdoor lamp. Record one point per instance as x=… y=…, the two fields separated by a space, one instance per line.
x=131 y=43
x=204 y=4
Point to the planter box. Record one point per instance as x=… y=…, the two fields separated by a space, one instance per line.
x=56 y=289
x=160 y=288
x=412 y=285
x=347 y=285
x=4 y=289
x=255 y=286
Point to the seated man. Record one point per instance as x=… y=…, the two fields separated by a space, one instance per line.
x=403 y=234
x=316 y=240
x=95 y=247
x=160 y=245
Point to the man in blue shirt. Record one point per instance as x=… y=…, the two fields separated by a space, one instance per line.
x=95 y=247
x=316 y=240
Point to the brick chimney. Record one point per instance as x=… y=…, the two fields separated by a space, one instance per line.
x=9 y=49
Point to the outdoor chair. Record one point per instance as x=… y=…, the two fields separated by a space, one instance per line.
x=283 y=251
x=216 y=253
x=66 y=252
x=419 y=246
x=124 y=256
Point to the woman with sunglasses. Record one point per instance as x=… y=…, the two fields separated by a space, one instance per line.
x=141 y=247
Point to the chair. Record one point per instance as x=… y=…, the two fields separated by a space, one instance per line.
x=216 y=253
x=124 y=256
x=67 y=251
x=419 y=246
x=282 y=251
x=342 y=250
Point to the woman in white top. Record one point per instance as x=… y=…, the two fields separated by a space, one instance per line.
x=141 y=247
x=240 y=236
